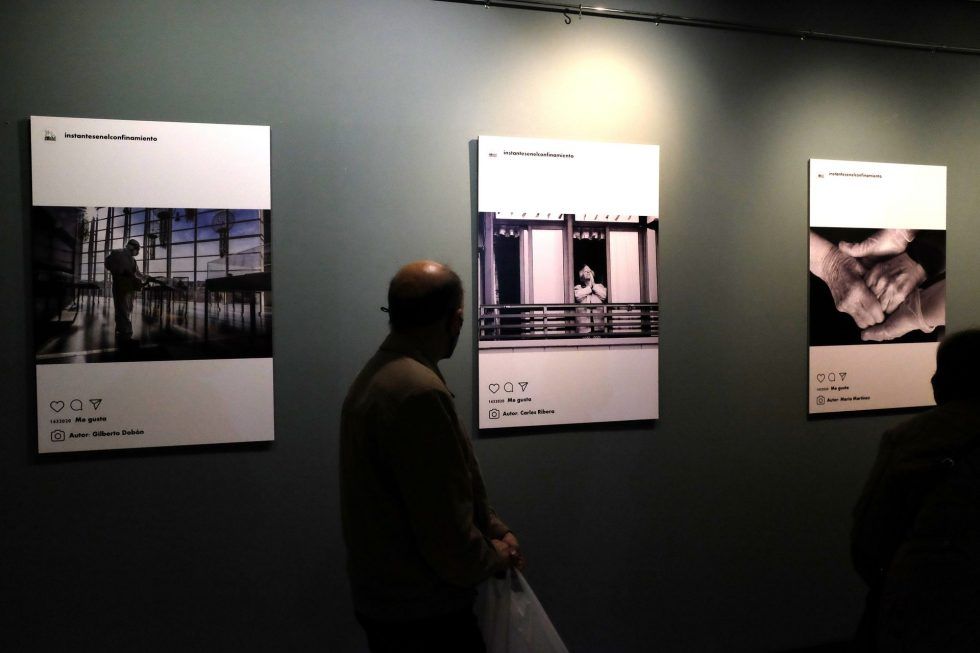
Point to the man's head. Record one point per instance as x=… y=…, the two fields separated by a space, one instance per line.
x=957 y=367
x=586 y=274
x=425 y=299
x=133 y=246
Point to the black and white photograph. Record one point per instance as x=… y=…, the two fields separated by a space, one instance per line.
x=115 y=284
x=566 y=280
x=876 y=285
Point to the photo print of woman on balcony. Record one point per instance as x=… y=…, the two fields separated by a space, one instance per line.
x=564 y=280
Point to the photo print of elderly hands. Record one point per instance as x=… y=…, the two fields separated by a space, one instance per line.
x=880 y=284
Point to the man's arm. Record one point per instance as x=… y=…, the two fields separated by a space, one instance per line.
x=137 y=272
x=427 y=461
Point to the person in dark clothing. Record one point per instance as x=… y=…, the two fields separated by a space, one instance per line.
x=419 y=529
x=127 y=280
x=916 y=534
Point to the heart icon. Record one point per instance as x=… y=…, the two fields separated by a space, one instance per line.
x=494 y=387
x=56 y=406
x=821 y=377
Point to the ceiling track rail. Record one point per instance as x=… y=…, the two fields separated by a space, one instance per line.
x=572 y=11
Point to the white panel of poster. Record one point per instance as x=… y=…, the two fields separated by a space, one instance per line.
x=567 y=299
x=152 y=288
x=877 y=284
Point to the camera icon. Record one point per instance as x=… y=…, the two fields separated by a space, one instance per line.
x=58 y=436
x=494 y=413
x=821 y=401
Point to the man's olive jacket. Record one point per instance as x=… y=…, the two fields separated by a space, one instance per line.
x=416 y=520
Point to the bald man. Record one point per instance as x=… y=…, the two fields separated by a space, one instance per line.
x=419 y=530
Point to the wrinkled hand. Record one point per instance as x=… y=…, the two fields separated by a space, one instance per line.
x=907 y=317
x=885 y=242
x=845 y=278
x=893 y=279
x=923 y=310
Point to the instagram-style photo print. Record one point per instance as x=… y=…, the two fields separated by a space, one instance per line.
x=877 y=283
x=151 y=280
x=568 y=308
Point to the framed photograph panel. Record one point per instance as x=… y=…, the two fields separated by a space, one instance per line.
x=568 y=306
x=151 y=275
x=877 y=284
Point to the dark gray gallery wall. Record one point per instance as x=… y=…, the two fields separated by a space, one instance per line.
x=721 y=528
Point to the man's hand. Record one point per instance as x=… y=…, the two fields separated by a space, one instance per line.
x=516 y=555
x=504 y=561
x=508 y=554
x=885 y=242
x=893 y=279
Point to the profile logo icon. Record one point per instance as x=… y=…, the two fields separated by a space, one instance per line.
x=49 y=135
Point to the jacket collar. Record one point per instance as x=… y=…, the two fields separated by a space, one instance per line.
x=396 y=343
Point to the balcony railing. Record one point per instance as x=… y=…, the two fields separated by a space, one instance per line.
x=565 y=321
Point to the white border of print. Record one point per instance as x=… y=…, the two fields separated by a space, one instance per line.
x=189 y=164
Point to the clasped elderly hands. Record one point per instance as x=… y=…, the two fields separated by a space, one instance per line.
x=869 y=295
x=893 y=278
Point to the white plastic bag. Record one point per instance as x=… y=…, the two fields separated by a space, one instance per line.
x=512 y=619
